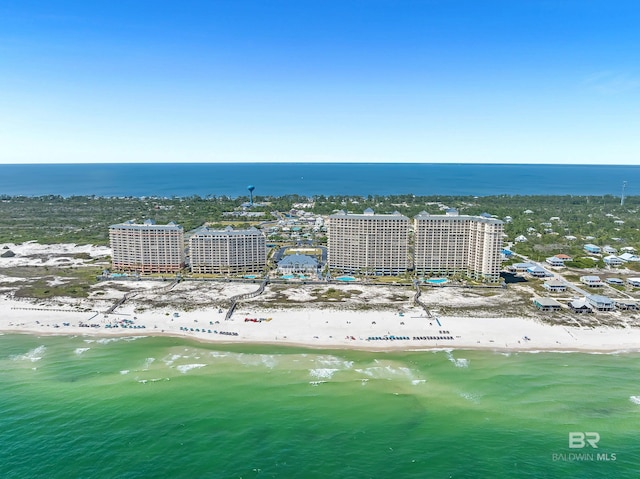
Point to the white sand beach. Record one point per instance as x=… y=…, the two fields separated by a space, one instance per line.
x=309 y=325
x=353 y=316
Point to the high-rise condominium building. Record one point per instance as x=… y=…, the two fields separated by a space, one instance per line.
x=147 y=247
x=452 y=243
x=227 y=251
x=368 y=243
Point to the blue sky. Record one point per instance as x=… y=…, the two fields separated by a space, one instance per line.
x=512 y=81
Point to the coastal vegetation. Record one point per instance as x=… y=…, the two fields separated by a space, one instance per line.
x=47 y=282
x=551 y=224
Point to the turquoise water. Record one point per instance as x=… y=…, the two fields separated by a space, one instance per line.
x=170 y=408
x=345 y=278
x=437 y=281
x=287 y=276
x=250 y=276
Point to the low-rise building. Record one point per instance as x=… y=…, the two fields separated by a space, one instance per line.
x=298 y=263
x=521 y=267
x=538 y=271
x=592 y=281
x=580 y=306
x=629 y=257
x=600 y=303
x=626 y=304
x=547 y=304
x=613 y=261
x=555 y=286
x=555 y=261
x=592 y=249
x=635 y=282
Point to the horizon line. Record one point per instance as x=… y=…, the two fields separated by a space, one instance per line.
x=309 y=163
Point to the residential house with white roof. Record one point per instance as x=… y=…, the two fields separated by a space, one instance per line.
x=592 y=281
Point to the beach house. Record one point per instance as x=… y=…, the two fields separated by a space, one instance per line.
x=555 y=261
x=521 y=267
x=626 y=304
x=626 y=257
x=547 y=304
x=538 y=271
x=580 y=306
x=612 y=260
x=555 y=286
x=600 y=303
x=592 y=281
x=592 y=249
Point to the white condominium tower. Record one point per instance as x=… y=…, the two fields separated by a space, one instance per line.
x=227 y=251
x=147 y=247
x=452 y=243
x=368 y=243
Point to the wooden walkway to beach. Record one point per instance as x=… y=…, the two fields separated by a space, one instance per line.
x=416 y=299
x=235 y=299
x=120 y=302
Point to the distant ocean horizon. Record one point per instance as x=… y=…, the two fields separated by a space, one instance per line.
x=309 y=179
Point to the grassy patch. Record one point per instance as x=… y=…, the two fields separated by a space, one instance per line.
x=40 y=289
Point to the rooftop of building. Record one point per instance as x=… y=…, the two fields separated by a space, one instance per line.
x=423 y=215
x=228 y=231
x=147 y=225
x=546 y=302
x=598 y=298
x=298 y=259
x=369 y=214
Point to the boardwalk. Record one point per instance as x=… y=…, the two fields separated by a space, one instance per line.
x=235 y=299
x=416 y=299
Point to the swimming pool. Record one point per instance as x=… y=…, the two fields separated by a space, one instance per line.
x=437 y=280
x=287 y=276
x=249 y=276
x=345 y=278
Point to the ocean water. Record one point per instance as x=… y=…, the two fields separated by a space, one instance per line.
x=308 y=179
x=168 y=408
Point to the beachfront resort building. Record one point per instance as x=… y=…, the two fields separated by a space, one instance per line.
x=227 y=251
x=147 y=247
x=368 y=243
x=453 y=243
